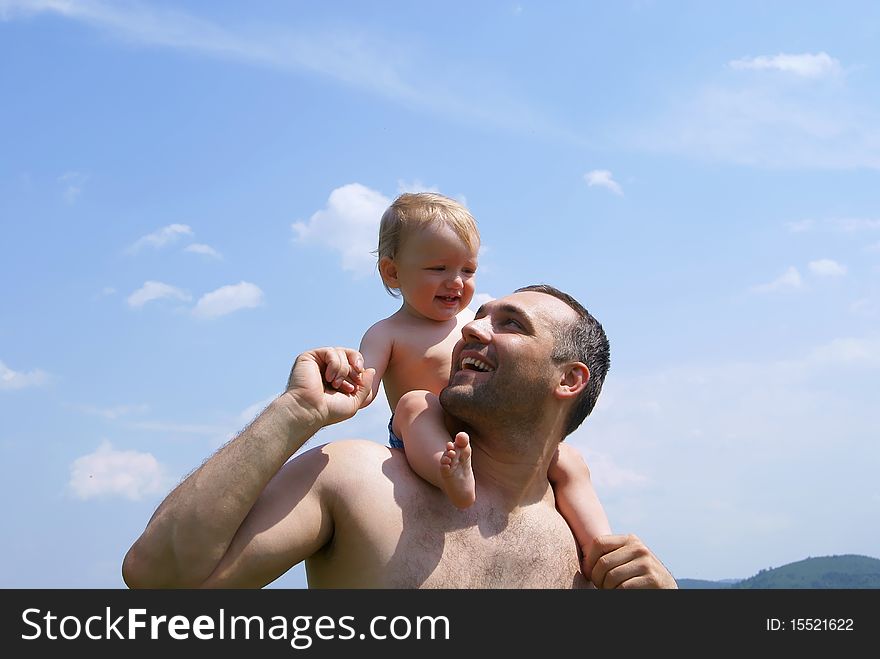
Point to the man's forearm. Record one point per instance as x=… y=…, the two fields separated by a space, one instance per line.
x=191 y=530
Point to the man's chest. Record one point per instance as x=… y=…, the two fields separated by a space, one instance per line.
x=434 y=546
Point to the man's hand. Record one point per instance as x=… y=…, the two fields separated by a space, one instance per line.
x=330 y=382
x=623 y=561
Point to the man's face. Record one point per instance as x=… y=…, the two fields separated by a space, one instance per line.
x=501 y=368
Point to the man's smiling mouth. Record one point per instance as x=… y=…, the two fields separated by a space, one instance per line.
x=474 y=364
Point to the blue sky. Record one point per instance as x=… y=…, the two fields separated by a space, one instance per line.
x=189 y=194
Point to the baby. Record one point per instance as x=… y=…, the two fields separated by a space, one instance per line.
x=427 y=255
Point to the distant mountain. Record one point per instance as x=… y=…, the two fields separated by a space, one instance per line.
x=702 y=584
x=846 y=571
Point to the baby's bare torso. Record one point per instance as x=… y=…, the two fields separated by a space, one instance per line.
x=421 y=353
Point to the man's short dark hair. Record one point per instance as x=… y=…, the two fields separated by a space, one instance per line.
x=584 y=341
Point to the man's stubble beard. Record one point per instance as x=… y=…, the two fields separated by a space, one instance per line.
x=506 y=406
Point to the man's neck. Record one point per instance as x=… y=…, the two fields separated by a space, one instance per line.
x=512 y=478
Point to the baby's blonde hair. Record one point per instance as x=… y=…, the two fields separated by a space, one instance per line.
x=411 y=211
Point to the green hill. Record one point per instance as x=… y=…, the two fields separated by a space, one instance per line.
x=843 y=572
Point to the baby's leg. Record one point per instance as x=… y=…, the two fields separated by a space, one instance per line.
x=576 y=498
x=418 y=421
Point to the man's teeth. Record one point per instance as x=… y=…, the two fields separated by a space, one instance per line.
x=476 y=364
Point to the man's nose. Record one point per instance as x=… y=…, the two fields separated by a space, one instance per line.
x=479 y=329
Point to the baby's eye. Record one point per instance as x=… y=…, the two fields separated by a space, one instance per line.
x=438 y=268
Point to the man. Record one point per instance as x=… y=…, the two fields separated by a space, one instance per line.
x=361 y=518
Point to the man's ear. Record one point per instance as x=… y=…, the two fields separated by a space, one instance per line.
x=573 y=380
x=388 y=272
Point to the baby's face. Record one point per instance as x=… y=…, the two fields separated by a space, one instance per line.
x=436 y=273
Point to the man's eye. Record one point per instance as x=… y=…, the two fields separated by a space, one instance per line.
x=514 y=322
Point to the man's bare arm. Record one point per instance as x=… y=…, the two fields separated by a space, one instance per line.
x=192 y=530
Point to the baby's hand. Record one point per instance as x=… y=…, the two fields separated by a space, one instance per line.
x=344 y=374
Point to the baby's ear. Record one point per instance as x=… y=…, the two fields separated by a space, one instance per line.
x=388 y=271
x=573 y=380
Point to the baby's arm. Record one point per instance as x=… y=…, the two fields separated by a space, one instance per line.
x=432 y=452
x=376 y=351
x=576 y=498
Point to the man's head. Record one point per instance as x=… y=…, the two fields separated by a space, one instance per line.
x=536 y=354
x=582 y=341
x=412 y=212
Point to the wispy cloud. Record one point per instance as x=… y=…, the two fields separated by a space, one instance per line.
x=788 y=122
x=602 y=178
x=10 y=379
x=227 y=299
x=415 y=186
x=806 y=65
x=115 y=412
x=111 y=473
x=860 y=351
x=356 y=60
x=801 y=226
x=73 y=183
x=855 y=224
x=480 y=299
x=827 y=268
x=161 y=237
x=835 y=224
x=788 y=280
x=167 y=428
x=353 y=211
x=715 y=427
x=207 y=250
x=156 y=290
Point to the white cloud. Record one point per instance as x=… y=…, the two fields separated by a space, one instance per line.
x=10 y=379
x=161 y=238
x=207 y=250
x=827 y=268
x=604 y=470
x=415 y=186
x=73 y=185
x=156 y=290
x=480 y=299
x=805 y=65
x=790 y=279
x=767 y=124
x=352 y=211
x=108 y=472
x=603 y=179
x=848 y=351
x=227 y=299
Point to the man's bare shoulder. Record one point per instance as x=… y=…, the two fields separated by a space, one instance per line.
x=347 y=461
